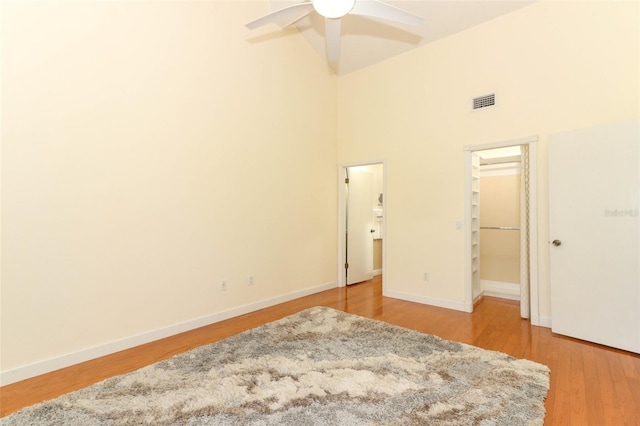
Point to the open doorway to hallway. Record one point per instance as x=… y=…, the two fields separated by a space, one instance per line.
x=361 y=222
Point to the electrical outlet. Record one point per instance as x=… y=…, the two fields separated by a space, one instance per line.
x=425 y=276
x=223 y=285
x=250 y=280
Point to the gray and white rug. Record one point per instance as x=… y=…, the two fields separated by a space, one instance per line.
x=317 y=367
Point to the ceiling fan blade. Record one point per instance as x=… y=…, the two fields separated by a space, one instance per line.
x=378 y=9
x=332 y=34
x=285 y=16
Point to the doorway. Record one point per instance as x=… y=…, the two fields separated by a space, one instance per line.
x=361 y=224
x=500 y=217
x=509 y=157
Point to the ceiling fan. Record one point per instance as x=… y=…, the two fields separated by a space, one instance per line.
x=333 y=11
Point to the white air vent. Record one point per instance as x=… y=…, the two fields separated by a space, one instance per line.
x=484 y=101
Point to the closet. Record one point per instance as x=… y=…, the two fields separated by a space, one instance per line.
x=500 y=219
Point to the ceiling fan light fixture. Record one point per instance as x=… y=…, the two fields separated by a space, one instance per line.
x=333 y=9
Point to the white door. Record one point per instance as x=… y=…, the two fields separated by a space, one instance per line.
x=359 y=225
x=594 y=202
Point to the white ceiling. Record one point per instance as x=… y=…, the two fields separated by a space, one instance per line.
x=509 y=151
x=367 y=41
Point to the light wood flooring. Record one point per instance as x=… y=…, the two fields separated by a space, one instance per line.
x=590 y=384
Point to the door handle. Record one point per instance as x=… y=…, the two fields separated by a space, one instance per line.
x=373 y=230
x=556 y=243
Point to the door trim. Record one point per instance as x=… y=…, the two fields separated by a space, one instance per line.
x=531 y=141
x=342 y=210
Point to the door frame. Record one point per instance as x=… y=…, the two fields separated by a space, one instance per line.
x=534 y=292
x=342 y=212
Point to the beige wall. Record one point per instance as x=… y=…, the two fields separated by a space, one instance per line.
x=152 y=149
x=377 y=254
x=149 y=151
x=554 y=65
x=500 y=249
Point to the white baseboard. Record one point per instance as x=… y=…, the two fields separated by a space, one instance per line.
x=500 y=295
x=459 y=306
x=541 y=321
x=377 y=272
x=55 y=363
x=500 y=289
x=510 y=291
x=441 y=303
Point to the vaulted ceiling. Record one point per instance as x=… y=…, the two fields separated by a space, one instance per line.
x=368 y=41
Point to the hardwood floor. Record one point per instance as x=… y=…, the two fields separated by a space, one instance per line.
x=590 y=384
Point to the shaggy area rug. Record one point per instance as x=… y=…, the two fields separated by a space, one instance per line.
x=317 y=367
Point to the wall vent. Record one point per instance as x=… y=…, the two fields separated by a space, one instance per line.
x=484 y=101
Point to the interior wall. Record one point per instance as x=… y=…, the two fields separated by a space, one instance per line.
x=554 y=66
x=151 y=150
x=377 y=256
x=500 y=249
